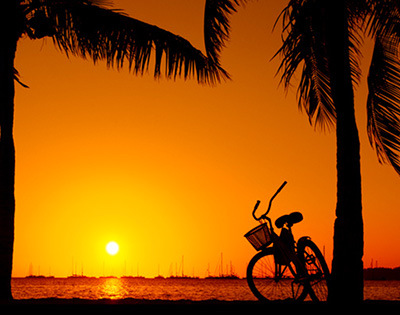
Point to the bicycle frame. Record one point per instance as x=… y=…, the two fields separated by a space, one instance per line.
x=289 y=259
x=285 y=254
x=279 y=246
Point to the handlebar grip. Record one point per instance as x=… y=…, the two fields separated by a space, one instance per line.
x=280 y=188
x=255 y=209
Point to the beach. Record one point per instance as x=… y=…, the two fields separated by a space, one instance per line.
x=186 y=294
x=133 y=305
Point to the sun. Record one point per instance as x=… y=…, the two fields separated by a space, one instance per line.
x=112 y=248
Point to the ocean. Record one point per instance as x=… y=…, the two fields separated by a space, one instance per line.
x=162 y=289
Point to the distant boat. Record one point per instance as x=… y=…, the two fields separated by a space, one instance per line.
x=39 y=276
x=133 y=277
x=182 y=277
x=108 y=277
x=227 y=277
x=230 y=275
x=35 y=277
x=75 y=276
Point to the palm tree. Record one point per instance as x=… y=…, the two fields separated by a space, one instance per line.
x=87 y=29
x=325 y=38
x=322 y=40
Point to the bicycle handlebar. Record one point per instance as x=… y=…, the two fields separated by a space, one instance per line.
x=270 y=203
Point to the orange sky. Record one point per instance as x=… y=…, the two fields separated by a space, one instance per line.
x=173 y=169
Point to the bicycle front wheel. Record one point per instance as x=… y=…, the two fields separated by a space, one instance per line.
x=270 y=281
x=317 y=269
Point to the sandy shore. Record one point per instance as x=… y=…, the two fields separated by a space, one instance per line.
x=206 y=304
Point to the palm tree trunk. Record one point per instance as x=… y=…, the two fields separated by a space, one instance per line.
x=347 y=265
x=7 y=152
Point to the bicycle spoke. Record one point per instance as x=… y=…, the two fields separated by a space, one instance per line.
x=317 y=271
x=272 y=281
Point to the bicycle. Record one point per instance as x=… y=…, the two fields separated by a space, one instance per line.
x=284 y=269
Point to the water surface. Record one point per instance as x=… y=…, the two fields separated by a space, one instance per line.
x=163 y=289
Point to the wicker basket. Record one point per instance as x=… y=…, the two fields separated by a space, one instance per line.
x=259 y=237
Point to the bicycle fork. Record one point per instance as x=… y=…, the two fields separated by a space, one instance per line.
x=285 y=259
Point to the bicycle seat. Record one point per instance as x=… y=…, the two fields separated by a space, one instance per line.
x=290 y=219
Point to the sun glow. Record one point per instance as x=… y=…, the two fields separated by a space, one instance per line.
x=112 y=248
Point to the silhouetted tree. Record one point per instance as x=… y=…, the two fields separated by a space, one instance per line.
x=322 y=40
x=87 y=29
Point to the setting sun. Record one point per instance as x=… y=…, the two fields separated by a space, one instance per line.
x=112 y=248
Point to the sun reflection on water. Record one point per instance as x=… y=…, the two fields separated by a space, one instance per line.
x=112 y=288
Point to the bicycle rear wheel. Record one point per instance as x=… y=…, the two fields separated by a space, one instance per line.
x=270 y=281
x=317 y=269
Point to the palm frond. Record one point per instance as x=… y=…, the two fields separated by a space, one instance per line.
x=383 y=104
x=217 y=25
x=16 y=78
x=384 y=17
x=304 y=47
x=88 y=29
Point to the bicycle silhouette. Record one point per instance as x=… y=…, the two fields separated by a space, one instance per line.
x=287 y=270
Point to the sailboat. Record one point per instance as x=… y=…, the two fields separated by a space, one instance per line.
x=230 y=275
x=75 y=275
x=38 y=276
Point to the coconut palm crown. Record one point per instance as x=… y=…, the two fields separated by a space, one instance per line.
x=92 y=29
x=89 y=29
x=305 y=46
x=321 y=42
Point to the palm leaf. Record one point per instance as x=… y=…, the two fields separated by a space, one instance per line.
x=384 y=18
x=304 y=46
x=16 y=78
x=217 y=25
x=383 y=104
x=88 y=29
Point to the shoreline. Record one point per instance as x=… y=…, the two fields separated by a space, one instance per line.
x=132 y=303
